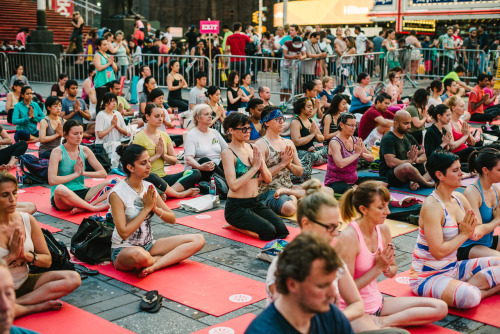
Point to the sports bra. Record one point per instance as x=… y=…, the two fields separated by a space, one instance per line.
x=240 y=168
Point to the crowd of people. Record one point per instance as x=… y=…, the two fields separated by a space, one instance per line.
x=321 y=282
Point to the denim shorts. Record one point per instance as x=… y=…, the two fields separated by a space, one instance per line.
x=116 y=251
x=274 y=204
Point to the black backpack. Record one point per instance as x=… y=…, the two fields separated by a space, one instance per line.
x=221 y=186
x=35 y=170
x=92 y=242
x=250 y=48
x=59 y=253
x=102 y=157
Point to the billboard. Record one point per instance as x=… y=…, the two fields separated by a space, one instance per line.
x=324 y=12
x=63 y=7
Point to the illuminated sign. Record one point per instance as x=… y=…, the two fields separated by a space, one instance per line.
x=325 y=12
x=419 y=25
x=63 y=7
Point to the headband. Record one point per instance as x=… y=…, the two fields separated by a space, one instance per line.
x=276 y=113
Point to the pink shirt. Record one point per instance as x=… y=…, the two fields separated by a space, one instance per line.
x=488 y=91
x=21 y=37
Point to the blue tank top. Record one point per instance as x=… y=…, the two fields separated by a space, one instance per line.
x=66 y=167
x=254 y=134
x=357 y=104
x=486 y=216
x=247 y=92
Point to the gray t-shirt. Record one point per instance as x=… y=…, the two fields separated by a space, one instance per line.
x=197 y=96
x=309 y=66
x=67 y=107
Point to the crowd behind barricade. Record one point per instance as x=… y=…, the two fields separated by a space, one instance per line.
x=262 y=163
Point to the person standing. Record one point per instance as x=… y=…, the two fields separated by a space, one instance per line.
x=361 y=40
x=471 y=57
x=77 y=33
x=412 y=41
x=105 y=70
x=312 y=51
x=448 y=45
x=236 y=44
x=484 y=44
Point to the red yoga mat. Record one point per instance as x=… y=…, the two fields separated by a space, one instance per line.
x=41 y=197
x=212 y=222
x=196 y=285
x=175 y=203
x=429 y=328
x=31 y=146
x=322 y=167
x=174 y=169
x=486 y=312
x=91 y=182
x=69 y=320
x=236 y=326
x=49 y=228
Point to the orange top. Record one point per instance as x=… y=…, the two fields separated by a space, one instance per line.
x=475 y=96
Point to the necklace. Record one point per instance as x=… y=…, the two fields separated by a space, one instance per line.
x=137 y=191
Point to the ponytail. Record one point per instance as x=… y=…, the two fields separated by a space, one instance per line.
x=310 y=205
x=485 y=158
x=364 y=195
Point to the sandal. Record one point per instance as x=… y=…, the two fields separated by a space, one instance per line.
x=151 y=302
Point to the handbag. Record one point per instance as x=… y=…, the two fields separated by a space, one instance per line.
x=272 y=249
x=92 y=242
x=59 y=254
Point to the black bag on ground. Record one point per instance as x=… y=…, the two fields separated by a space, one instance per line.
x=102 y=157
x=35 y=170
x=92 y=242
x=59 y=253
x=221 y=186
x=402 y=214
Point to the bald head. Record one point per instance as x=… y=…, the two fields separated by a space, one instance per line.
x=402 y=116
x=402 y=123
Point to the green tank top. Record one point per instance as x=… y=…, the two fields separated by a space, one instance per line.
x=240 y=168
x=104 y=76
x=66 y=167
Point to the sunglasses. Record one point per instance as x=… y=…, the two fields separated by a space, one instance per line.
x=244 y=129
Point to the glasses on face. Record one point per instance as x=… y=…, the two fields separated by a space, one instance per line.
x=244 y=129
x=329 y=228
x=280 y=119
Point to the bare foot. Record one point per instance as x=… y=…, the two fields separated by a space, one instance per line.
x=101 y=207
x=163 y=197
x=146 y=271
x=228 y=227
x=77 y=211
x=50 y=305
x=414 y=185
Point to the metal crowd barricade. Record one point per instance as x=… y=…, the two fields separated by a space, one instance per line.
x=4 y=75
x=76 y=66
x=38 y=67
x=435 y=63
x=265 y=71
x=493 y=58
x=350 y=66
x=160 y=67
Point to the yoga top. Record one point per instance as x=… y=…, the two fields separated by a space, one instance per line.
x=333 y=128
x=132 y=204
x=157 y=166
x=254 y=134
x=304 y=132
x=234 y=94
x=347 y=174
x=365 y=260
x=67 y=167
x=357 y=104
x=240 y=168
x=423 y=264
x=103 y=77
x=175 y=94
x=49 y=146
x=247 y=92
x=486 y=216
x=282 y=179
x=15 y=99
x=18 y=270
x=457 y=135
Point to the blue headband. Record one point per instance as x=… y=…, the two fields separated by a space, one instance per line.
x=276 y=113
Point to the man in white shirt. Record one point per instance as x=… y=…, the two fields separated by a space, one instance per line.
x=197 y=93
x=168 y=35
x=144 y=71
x=361 y=40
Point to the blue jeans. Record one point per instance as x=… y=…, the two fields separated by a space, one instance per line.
x=116 y=251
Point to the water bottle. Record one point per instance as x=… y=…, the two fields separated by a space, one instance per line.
x=213 y=189
x=19 y=174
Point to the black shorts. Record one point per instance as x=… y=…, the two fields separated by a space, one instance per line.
x=393 y=181
x=463 y=252
x=80 y=193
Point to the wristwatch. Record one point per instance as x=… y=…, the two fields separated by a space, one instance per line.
x=35 y=258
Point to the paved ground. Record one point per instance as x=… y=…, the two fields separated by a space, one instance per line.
x=119 y=302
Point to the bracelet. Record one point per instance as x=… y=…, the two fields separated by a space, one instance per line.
x=35 y=258
x=162 y=212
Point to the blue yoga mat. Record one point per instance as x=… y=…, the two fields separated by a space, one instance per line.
x=420 y=191
x=367 y=174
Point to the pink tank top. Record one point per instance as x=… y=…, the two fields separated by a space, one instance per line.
x=372 y=298
x=457 y=136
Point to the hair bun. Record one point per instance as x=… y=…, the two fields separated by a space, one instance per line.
x=120 y=149
x=312 y=186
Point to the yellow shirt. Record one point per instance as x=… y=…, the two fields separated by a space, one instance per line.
x=158 y=166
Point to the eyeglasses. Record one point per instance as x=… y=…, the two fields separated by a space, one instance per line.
x=329 y=228
x=279 y=119
x=245 y=129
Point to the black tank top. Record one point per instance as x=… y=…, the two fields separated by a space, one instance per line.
x=304 y=132
x=175 y=94
x=233 y=106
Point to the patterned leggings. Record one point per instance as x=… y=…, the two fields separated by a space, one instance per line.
x=465 y=294
x=309 y=160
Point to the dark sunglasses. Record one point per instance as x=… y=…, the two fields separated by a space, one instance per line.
x=244 y=129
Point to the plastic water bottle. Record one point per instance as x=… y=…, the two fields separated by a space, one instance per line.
x=213 y=189
x=19 y=174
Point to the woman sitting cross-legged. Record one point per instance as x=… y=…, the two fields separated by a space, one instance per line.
x=51 y=127
x=344 y=152
x=484 y=201
x=203 y=145
x=27 y=114
x=67 y=174
x=244 y=167
x=366 y=248
x=22 y=243
x=133 y=202
x=446 y=222
x=304 y=132
x=161 y=151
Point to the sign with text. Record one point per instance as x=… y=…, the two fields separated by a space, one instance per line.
x=209 y=27
x=63 y=7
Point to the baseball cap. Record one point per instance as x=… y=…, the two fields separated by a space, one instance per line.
x=472 y=29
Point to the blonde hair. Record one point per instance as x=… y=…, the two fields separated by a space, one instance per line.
x=7 y=177
x=452 y=101
x=310 y=205
x=197 y=111
x=363 y=195
x=325 y=81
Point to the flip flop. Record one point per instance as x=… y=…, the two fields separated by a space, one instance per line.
x=157 y=307
x=150 y=301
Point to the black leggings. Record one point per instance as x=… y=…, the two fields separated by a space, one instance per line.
x=14 y=150
x=340 y=187
x=187 y=181
x=207 y=175
x=45 y=155
x=360 y=110
x=182 y=104
x=251 y=215
x=489 y=115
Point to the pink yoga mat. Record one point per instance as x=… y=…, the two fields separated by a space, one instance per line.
x=469 y=181
x=400 y=196
x=196 y=285
x=486 y=312
x=429 y=328
x=322 y=167
x=41 y=197
x=174 y=169
x=31 y=146
x=69 y=320
x=213 y=221
x=176 y=131
x=236 y=325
